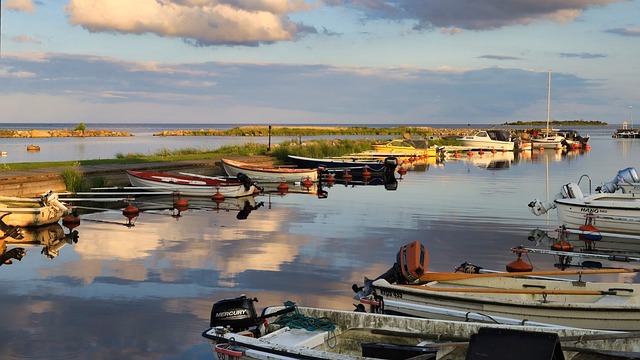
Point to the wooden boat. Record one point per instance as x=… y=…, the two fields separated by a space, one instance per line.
x=607 y=212
x=268 y=173
x=236 y=331
x=492 y=139
x=25 y=212
x=513 y=298
x=191 y=185
x=351 y=165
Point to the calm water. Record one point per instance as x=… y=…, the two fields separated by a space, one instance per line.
x=146 y=291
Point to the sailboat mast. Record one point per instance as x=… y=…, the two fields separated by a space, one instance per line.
x=548 y=100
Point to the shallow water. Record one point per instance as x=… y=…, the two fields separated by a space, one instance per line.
x=145 y=291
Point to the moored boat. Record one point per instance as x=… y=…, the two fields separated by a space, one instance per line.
x=549 y=140
x=268 y=173
x=607 y=212
x=352 y=165
x=407 y=146
x=511 y=298
x=237 y=331
x=26 y=212
x=192 y=185
x=492 y=139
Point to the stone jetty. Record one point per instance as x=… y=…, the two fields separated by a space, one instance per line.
x=60 y=133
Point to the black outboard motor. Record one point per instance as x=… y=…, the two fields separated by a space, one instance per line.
x=245 y=180
x=389 y=177
x=238 y=313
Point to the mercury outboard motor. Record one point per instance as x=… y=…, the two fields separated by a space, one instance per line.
x=239 y=314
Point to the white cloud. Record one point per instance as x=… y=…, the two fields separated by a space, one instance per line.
x=201 y=22
x=20 y=5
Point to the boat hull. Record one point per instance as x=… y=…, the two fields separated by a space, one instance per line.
x=31 y=212
x=258 y=173
x=352 y=329
x=552 y=142
x=477 y=144
x=354 y=166
x=187 y=185
x=615 y=213
x=619 y=312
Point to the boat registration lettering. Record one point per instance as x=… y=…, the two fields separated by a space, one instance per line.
x=391 y=294
x=593 y=211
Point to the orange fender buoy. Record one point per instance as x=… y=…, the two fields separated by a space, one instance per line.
x=217 y=197
x=307 y=183
x=283 y=188
x=519 y=266
x=130 y=212
x=71 y=222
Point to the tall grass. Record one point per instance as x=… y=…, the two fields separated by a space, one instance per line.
x=74 y=180
x=319 y=148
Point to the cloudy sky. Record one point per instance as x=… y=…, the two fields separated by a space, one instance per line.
x=318 y=61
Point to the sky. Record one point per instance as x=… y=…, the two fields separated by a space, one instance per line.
x=271 y=62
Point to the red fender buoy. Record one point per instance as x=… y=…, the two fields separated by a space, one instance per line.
x=217 y=197
x=283 y=188
x=402 y=170
x=307 y=183
x=71 y=222
x=181 y=203
x=519 y=266
x=131 y=212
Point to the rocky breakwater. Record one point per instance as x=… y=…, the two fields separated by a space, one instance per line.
x=60 y=133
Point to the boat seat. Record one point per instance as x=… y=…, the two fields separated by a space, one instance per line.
x=296 y=337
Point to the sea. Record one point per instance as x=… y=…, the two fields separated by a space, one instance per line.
x=142 y=288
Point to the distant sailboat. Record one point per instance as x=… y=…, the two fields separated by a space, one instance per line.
x=549 y=141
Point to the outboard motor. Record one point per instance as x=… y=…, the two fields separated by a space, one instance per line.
x=569 y=191
x=389 y=177
x=628 y=175
x=239 y=314
x=390 y=165
x=245 y=180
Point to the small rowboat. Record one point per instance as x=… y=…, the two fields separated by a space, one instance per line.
x=516 y=297
x=24 y=212
x=354 y=166
x=192 y=185
x=237 y=332
x=267 y=173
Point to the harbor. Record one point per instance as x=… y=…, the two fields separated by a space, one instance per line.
x=169 y=265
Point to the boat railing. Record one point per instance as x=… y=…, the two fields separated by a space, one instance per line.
x=587 y=176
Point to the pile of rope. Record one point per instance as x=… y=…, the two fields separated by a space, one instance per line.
x=295 y=320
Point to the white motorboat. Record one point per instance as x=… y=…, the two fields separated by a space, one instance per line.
x=26 y=212
x=237 y=331
x=490 y=140
x=606 y=212
x=548 y=142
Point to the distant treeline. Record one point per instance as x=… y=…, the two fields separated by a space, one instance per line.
x=558 y=122
x=301 y=131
